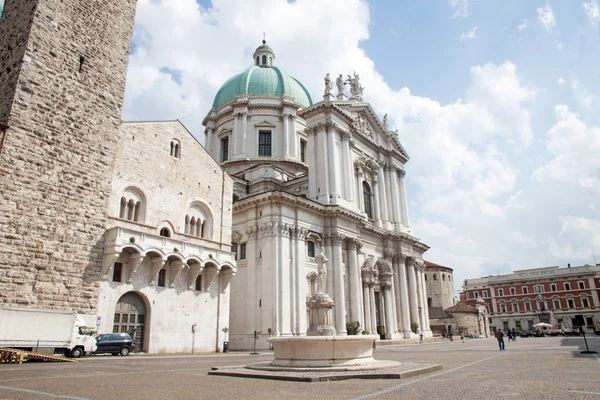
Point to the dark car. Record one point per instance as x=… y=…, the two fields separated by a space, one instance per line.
x=115 y=344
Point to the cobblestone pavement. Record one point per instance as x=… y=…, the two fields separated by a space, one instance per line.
x=531 y=368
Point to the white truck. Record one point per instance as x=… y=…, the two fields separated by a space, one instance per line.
x=55 y=331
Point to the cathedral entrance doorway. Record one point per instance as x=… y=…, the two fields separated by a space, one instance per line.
x=130 y=317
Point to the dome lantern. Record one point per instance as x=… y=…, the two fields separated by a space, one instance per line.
x=264 y=55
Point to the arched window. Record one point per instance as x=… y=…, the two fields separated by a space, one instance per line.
x=175 y=149
x=264 y=59
x=367 y=194
x=257 y=60
x=198 y=221
x=435 y=277
x=165 y=232
x=444 y=277
x=429 y=301
x=425 y=275
x=198 y=285
x=132 y=205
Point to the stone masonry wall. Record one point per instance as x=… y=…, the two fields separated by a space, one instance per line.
x=171 y=184
x=57 y=157
x=14 y=33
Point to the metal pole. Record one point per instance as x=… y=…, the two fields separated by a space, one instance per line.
x=254 y=348
x=587 y=351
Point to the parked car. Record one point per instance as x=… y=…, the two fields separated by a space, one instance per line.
x=115 y=344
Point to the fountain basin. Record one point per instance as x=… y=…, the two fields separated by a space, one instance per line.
x=323 y=351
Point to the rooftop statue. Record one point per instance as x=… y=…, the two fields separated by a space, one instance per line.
x=356 y=90
x=340 y=84
x=328 y=85
x=385 y=122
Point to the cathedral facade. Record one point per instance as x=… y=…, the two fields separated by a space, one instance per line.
x=314 y=178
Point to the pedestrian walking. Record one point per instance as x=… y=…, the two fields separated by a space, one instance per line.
x=421 y=337
x=500 y=337
x=462 y=337
x=514 y=335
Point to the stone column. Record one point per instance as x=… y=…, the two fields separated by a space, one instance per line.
x=235 y=134
x=359 y=192
x=373 y=309
x=386 y=286
x=338 y=270
x=403 y=296
x=367 y=306
x=244 y=134
x=353 y=276
x=422 y=324
x=208 y=142
x=349 y=164
x=329 y=253
x=277 y=283
x=300 y=273
x=346 y=176
x=395 y=201
x=412 y=292
x=382 y=195
x=425 y=303
x=286 y=136
x=395 y=306
x=404 y=203
x=311 y=160
x=334 y=192
x=375 y=202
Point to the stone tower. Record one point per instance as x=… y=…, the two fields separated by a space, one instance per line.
x=440 y=285
x=63 y=65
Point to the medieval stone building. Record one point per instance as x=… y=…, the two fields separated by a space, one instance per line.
x=128 y=224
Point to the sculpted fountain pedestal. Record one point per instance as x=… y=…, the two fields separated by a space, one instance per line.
x=321 y=347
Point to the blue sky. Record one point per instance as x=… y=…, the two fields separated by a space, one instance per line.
x=494 y=101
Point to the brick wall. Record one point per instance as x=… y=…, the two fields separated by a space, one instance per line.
x=57 y=159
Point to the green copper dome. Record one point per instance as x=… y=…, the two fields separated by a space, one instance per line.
x=266 y=81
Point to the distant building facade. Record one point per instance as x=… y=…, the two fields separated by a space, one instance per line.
x=564 y=297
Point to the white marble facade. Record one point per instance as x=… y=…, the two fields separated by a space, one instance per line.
x=333 y=176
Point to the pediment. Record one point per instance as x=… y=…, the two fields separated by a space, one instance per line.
x=264 y=124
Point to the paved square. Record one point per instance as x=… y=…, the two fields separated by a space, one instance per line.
x=531 y=368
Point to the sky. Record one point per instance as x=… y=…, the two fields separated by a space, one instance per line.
x=495 y=102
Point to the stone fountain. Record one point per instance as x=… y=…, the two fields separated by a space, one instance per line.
x=322 y=347
x=323 y=355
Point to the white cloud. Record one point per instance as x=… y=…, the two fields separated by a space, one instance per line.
x=579 y=238
x=582 y=95
x=546 y=17
x=560 y=80
x=592 y=11
x=523 y=25
x=461 y=8
x=523 y=239
x=575 y=146
x=469 y=36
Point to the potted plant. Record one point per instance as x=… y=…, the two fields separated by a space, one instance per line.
x=414 y=327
